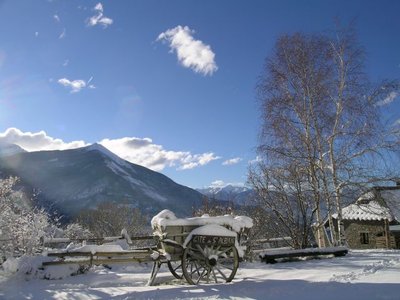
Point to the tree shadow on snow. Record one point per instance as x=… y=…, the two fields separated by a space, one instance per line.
x=275 y=290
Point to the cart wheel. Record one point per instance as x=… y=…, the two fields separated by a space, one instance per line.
x=209 y=263
x=175 y=267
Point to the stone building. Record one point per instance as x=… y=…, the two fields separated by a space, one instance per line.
x=373 y=221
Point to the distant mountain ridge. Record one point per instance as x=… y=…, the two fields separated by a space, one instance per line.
x=234 y=193
x=71 y=180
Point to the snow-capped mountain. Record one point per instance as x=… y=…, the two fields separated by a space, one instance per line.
x=71 y=180
x=235 y=193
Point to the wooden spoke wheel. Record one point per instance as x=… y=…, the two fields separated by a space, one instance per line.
x=175 y=267
x=209 y=263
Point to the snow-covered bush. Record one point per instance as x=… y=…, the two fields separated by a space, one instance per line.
x=21 y=225
x=76 y=231
x=31 y=267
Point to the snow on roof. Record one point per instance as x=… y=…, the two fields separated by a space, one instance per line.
x=366 y=211
x=168 y=218
x=367 y=196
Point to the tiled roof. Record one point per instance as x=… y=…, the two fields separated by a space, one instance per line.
x=366 y=211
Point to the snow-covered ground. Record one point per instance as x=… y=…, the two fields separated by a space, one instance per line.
x=372 y=274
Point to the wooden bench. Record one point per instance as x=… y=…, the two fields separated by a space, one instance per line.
x=271 y=256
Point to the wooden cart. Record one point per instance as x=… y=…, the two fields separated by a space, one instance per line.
x=199 y=250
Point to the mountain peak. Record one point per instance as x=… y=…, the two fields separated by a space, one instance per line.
x=97 y=147
x=103 y=150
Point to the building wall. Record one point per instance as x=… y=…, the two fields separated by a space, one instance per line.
x=355 y=227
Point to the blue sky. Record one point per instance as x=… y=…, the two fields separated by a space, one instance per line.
x=166 y=84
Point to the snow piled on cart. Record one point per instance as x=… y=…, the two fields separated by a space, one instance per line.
x=227 y=226
x=167 y=218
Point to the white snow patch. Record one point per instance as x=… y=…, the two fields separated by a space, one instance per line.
x=115 y=246
x=153 y=194
x=29 y=267
x=118 y=170
x=111 y=155
x=365 y=274
x=155 y=255
x=168 y=218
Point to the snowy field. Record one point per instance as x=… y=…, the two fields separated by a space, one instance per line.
x=372 y=274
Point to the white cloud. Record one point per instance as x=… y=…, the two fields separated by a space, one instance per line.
x=36 y=141
x=218 y=183
x=76 y=85
x=99 y=18
x=141 y=151
x=389 y=99
x=99 y=7
x=146 y=153
x=231 y=161
x=65 y=63
x=57 y=18
x=191 y=53
x=258 y=159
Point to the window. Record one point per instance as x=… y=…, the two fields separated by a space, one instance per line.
x=364 y=238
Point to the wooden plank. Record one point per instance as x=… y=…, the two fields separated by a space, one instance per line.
x=69 y=254
x=271 y=257
x=85 y=254
x=65 y=262
x=96 y=261
x=146 y=237
x=141 y=252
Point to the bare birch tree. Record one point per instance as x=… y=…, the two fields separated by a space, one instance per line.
x=320 y=118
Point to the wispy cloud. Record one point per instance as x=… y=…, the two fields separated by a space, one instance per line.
x=99 y=18
x=76 y=85
x=141 y=151
x=56 y=18
x=191 y=53
x=62 y=34
x=232 y=161
x=389 y=99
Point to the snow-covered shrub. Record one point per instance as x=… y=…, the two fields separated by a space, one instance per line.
x=76 y=231
x=31 y=267
x=21 y=225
